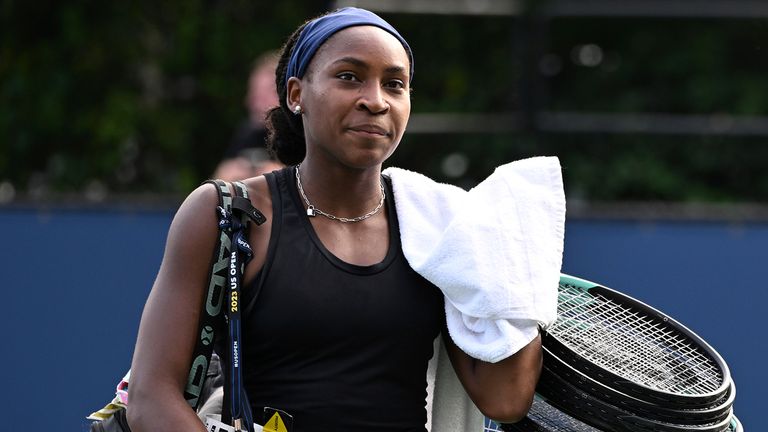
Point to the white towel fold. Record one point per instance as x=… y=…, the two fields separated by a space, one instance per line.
x=495 y=251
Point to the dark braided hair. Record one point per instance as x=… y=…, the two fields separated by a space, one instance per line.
x=285 y=130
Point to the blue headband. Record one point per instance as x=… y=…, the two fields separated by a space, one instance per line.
x=316 y=32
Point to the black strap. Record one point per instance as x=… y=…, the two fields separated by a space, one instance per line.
x=241 y=203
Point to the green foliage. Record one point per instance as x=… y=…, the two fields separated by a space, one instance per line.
x=139 y=96
x=661 y=65
x=674 y=66
x=144 y=96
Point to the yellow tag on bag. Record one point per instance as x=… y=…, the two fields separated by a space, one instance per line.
x=277 y=420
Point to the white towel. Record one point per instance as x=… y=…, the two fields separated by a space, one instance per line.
x=495 y=251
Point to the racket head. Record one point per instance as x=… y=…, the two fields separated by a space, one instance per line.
x=717 y=412
x=634 y=348
x=600 y=414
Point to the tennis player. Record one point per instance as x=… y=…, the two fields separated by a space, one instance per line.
x=342 y=329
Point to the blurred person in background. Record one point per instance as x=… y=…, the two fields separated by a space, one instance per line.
x=247 y=154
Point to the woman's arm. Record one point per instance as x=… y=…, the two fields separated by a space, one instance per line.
x=502 y=391
x=166 y=338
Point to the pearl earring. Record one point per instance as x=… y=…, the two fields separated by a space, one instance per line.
x=297 y=110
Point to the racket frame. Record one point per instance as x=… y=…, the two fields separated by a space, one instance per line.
x=622 y=384
x=717 y=412
x=600 y=414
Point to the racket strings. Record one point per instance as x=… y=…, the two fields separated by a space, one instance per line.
x=631 y=344
x=650 y=358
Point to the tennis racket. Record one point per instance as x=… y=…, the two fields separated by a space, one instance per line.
x=598 y=413
x=634 y=349
x=717 y=412
x=543 y=417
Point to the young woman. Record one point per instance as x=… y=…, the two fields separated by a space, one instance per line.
x=342 y=329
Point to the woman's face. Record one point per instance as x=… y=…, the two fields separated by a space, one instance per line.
x=355 y=97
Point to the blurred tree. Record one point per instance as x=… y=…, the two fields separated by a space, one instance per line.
x=668 y=66
x=101 y=97
x=127 y=96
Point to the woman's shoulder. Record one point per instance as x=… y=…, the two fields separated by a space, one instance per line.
x=196 y=218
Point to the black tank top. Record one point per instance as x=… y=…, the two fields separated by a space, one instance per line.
x=340 y=347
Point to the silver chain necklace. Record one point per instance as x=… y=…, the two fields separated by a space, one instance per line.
x=313 y=211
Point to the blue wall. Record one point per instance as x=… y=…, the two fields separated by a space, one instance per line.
x=74 y=282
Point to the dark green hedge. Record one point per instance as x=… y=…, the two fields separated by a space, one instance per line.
x=144 y=96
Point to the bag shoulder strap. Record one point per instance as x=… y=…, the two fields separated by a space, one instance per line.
x=211 y=318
